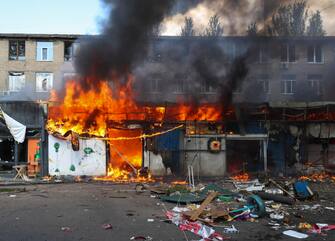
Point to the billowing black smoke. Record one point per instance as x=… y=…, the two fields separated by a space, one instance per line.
x=124 y=39
x=122 y=48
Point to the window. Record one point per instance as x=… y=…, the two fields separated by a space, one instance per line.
x=156 y=53
x=180 y=86
x=206 y=87
x=288 y=85
x=263 y=54
x=314 y=54
x=17 y=50
x=44 y=54
x=229 y=51
x=154 y=85
x=315 y=83
x=288 y=53
x=70 y=50
x=16 y=81
x=263 y=82
x=44 y=82
x=44 y=51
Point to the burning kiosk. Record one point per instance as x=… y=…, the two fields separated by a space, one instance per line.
x=113 y=116
x=107 y=125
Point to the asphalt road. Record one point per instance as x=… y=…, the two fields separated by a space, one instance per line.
x=80 y=209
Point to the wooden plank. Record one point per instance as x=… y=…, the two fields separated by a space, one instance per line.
x=203 y=205
x=281 y=188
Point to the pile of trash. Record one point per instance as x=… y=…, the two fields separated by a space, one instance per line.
x=202 y=208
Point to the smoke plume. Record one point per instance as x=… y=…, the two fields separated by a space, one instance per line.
x=124 y=39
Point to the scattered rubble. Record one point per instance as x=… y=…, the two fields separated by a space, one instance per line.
x=206 y=210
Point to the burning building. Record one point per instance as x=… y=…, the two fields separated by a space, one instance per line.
x=239 y=104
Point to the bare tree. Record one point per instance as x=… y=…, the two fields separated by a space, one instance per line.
x=315 y=27
x=188 y=29
x=252 y=29
x=289 y=20
x=215 y=28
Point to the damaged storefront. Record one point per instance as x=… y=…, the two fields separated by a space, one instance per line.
x=209 y=149
x=23 y=136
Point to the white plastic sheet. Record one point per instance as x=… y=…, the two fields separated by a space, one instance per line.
x=295 y=234
x=17 y=129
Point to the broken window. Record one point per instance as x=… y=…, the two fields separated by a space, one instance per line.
x=315 y=83
x=288 y=53
x=44 y=51
x=16 y=81
x=263 y=81
x=17 y=50
x=314 y=54
x=44 y=82
x=70 y=50
x=288 y=85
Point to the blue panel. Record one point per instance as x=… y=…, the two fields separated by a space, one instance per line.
x=255 y=127
x=169 y=141
x=276 y=154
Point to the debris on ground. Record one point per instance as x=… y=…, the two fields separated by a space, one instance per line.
x=140 y=238
x=107 y=226
x=214 y=211
x=295 y=234
x=66 y=229
x=206 y=210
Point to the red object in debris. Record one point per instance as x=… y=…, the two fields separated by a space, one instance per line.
x=107 y=226
x=319 y=228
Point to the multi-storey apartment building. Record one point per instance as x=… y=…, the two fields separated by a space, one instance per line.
x=32 y=64
x=293 y=77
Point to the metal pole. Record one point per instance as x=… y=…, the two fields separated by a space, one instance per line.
x=16 y=153
x=44 y=140
x=124 y=158
x=265 y=153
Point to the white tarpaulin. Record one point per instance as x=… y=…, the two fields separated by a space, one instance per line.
x=17 y=130
x=89 y=160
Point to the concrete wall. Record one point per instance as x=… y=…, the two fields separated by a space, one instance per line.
x=195 y=152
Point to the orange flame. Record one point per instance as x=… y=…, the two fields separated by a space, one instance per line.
x=244 y=177
x=105 y=110
x=318 y=177
x=179 y=183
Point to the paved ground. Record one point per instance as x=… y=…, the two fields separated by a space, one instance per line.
x=40 y=213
